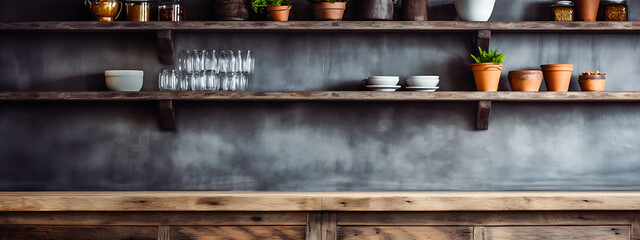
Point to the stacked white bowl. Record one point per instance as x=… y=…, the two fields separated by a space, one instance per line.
x=383 y=83
x=423 y=83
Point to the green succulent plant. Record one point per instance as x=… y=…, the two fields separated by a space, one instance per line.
x=491 y=56
x=256 y=5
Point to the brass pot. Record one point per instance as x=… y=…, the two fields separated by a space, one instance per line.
x=104 y=10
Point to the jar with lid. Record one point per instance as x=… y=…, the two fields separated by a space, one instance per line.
x=614 y=10
x=138 y=10
x=170 y=10
x=563 y=10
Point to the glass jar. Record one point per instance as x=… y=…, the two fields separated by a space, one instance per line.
x=170 y=11
x=138 y=10
x=614 y=10
x=562 y=11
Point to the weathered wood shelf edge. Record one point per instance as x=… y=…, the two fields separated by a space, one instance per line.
x=167 y=108
x=311 y=26
x=320 y=201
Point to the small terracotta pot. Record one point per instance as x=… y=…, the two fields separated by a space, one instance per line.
x=587 y=9
x=279 y=13
x=525 y=80
x=592 y=83
x=329 y=11
x=557 y=77
x=487 y=76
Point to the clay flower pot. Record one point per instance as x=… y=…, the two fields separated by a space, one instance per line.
x=557 y=77
x=329 y=11
x=525 y=80
x=279 y=13
x=487 y=76
x=587 y=9
x=592 y=83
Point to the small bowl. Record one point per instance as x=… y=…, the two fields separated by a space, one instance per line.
x=124 y=80
x=383 y=80
x=416 y=82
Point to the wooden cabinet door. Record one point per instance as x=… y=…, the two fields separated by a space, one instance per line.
x=404 y=233
x=558 y=232
x=21 y=232
x=238 y=233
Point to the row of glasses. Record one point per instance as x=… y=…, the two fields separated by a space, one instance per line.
x=209 y=70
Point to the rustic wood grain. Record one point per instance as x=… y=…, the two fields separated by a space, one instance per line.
x=484 y=113
x=314 y=226
x=155 y=218
x=167 y=115
x=319 y=201
x=635 y=226
x=483 y=39
x=238 y=233
x=165 y=43
x=22 y=232
x=478 y=233
x=324 y=26
x=361 y=96
x=329 y=226
x=164 y=233
x=569 y=232
x=553 y=218
x=417 y=233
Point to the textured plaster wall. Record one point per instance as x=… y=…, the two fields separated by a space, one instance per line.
x=314 y=146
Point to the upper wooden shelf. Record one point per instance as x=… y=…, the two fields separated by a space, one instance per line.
x=318 y=201
x=453 y=96
x=324 y=26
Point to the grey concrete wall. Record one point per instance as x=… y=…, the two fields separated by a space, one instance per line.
x=314 y=146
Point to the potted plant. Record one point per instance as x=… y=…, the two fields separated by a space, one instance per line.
x=592 y=81
x=328 y=9
x=474 y=10
x=487 y=70
x=278 y=9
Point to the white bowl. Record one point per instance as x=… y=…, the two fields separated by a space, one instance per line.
x=474 y=10
x=424 y=77
x=423 y=82
x=383 y=81
x=124 y=80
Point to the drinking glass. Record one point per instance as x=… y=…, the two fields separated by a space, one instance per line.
x=228 y=62
x=168 y=80
x=185 y=81
x=245 y=60
x=195 y=61
x=229 y=81
x=198 y=81
x=183 y=59
x=243 y=80
x=212 y=81
x=210 y=59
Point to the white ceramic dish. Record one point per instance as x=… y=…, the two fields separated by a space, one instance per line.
x=423 y=89
x=124 y=80
x=383 y=81
x=384 y=88
x=423 y=82
x=424 y=77
x=474 y=10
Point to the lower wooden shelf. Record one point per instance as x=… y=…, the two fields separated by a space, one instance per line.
x=167 y=113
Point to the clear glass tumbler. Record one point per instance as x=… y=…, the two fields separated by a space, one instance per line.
x=185 y=83
x=168 y=80
x=210 y=59
x=212 y=81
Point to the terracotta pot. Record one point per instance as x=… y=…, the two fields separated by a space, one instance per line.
x=557 y=77
x=592 y=83
x=279 y=13
x=525 y=80
x=415 y=10
x=375 y=9
x=329 y=11
x=487 y=76
x=587 y=9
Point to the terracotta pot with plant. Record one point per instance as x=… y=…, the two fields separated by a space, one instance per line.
x=278 y=9
x=592 y=81
x=525 y=80
x=557 y=77
x=332 y=10
x=487 y=70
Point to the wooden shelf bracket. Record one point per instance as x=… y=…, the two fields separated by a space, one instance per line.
x=167 y=115
x=483 y=39
x=484 y=112
x=165 y=43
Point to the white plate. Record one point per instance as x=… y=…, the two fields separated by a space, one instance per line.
x=385 y=77
x=423 y=89
x=383 y=88
x=424 y=77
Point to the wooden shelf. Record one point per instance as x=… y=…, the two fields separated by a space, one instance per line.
x=167 y=111
x=324 y=26
x=318 y=201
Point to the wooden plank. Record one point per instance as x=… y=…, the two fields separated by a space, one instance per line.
x=556 y=218
x=20 y=232
x=155 y=218
x=483 y=39
x=164 y=233
x=484 y=113
x=417 y=233
x=314 y=226
x=478 y=233
x=358 y=96
x=165 y=42
x=569 y=232
x=635 y=226
x=329 y=226
x=167 y=115
x=319 y=201
x=325 y=26
x=238 y=232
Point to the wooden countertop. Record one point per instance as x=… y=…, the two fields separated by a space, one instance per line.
x=318 y=201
